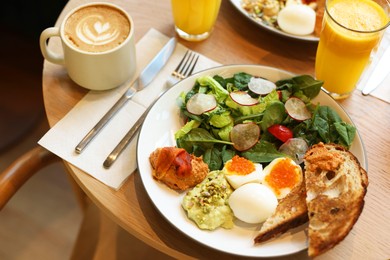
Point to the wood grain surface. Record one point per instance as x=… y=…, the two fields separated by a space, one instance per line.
x=235 y=40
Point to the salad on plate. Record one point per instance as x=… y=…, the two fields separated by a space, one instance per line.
x=257 y=119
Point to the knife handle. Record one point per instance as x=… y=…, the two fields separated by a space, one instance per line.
x=104 y=120
x=111 y=158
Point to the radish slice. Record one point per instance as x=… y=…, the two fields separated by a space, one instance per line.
x=201 y=103
x=261 y=86
x=295 y=148
x=243 y=98
x=244 y=136
x=297 y=109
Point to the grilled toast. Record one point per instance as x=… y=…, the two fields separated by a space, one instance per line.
x=331 y=197
x=336 y=185
x=291 y=212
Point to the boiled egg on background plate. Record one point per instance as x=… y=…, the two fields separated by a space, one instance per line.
x=281 y=176
x=298 y=19
x=240 y=170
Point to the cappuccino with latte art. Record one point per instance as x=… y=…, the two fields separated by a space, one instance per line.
x=98 y=45
x=97 y=28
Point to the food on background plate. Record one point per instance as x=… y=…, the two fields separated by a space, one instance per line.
x=176 y=168
x=253 y=203
x=297 y=17
x=207 y=203
x=336 y=185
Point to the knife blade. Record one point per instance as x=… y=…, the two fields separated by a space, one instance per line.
x=381 y=70
x=144 y=79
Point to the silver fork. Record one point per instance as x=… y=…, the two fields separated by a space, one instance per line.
x=183 y=70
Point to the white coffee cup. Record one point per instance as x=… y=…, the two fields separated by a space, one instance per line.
x=98 y=48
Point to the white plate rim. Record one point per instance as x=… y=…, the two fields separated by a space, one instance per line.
x=157 y=191
x=309 y=38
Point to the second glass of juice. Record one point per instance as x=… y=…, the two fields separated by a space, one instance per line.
x=194 y=19
x=351 y=30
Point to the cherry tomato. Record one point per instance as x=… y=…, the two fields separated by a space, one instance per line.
x=281 y=132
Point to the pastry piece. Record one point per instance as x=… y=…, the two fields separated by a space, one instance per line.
x=176 y=168
x=336 y=185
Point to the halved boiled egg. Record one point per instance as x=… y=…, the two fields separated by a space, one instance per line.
x=253 y=203
x=282 y=175
x=240 y=170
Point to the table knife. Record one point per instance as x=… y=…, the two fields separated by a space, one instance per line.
x=381 y=70
x=144 y=79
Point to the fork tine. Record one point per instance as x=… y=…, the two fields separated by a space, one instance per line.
x=193 y=66
x=187 y=66
x=179 y=66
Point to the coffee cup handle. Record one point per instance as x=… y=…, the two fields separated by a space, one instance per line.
x=48 y=54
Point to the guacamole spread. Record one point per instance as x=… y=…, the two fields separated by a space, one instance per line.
x=206 y=203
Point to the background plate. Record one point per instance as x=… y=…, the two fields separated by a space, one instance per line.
x=158 y=130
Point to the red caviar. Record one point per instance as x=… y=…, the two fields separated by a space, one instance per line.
x=240 y=165
x=283 y=175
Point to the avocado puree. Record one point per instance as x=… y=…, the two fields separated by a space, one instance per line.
x=207 y=202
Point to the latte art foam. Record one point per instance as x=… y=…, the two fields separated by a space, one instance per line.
x=97 y=28
x=91 y=30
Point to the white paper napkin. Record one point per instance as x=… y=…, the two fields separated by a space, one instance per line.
x=67 y=133
x=383 y=90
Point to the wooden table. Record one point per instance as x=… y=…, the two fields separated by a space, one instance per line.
x=235 y=40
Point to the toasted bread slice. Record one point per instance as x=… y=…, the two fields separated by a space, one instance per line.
x=336 y=185
x=291 y=212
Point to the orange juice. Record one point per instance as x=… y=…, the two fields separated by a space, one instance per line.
x=195 y=18
x=345 y=45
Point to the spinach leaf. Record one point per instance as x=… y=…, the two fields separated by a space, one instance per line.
x=198 y=139
x=309 y=86
x=275 y=113
x=347 y=133
x=323 y=123
x=213 y=158
x=331 y=128
x=262 y=152
x=220 y=80
x=241 y=80
x=227 y=154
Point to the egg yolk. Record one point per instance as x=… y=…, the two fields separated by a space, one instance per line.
x=240 y=165
x=283 y=175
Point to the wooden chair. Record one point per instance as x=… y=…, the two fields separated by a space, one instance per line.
x=99 y=237
x=21 y=170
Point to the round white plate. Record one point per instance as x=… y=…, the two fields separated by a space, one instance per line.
x=311 y=37
x=158 y=130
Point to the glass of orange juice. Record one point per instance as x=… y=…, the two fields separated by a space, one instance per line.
x=194 y=19
x=351 y=30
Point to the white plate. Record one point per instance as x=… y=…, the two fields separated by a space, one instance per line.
x=311 y=37
x=158 y=131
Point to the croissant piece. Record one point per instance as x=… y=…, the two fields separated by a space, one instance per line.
x=177 y=168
